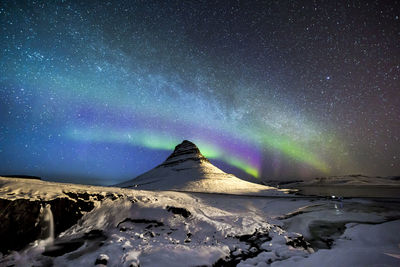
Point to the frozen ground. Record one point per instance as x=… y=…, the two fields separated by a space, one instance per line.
x=128 y=227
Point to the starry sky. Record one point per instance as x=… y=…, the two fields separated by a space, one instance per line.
x=101 y=91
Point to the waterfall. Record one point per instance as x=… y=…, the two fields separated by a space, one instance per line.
x=49 y=218
x=47 y=224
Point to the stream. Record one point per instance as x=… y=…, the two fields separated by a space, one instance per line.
x=322 y=224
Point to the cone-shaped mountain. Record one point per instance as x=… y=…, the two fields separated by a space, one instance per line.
x=186 y=169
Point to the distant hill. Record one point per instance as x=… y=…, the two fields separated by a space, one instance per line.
x=345 y=180
x=21 y=176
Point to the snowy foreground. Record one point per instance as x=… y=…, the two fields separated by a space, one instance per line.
x=126 y=227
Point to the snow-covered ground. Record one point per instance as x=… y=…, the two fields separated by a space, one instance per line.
x=152 y=228
x=129 y=227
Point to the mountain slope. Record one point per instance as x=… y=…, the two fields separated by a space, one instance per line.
x=186 y=169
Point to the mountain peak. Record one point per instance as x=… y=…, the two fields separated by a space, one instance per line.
x=183 y=152
x=186 y=169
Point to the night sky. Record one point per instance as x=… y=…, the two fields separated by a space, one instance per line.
x=99 y=92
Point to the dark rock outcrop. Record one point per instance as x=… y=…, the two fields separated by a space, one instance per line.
x=299 y=242
x=183 y=152
x=20 y=224
x=151 y=223
x=254 y=241
x=180 y=211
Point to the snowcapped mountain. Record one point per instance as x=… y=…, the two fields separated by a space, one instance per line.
x=186 y=169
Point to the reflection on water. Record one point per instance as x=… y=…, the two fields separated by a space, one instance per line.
x=324 y=233
x=322 y=223
x=352 y=191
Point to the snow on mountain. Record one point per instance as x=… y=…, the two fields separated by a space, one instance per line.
x=186 y=169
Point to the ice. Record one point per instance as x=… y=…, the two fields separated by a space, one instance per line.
x=360 y=245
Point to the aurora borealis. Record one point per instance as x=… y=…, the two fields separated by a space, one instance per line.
x=101 y=91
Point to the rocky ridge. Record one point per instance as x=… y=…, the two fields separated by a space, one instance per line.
x=184 y=152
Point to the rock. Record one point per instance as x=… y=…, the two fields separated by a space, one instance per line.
x=183 y=152
x=102 y=259
x=255 y=242
x=20 y=222
x=299 y=242
x=181 y=211
x=151 y=223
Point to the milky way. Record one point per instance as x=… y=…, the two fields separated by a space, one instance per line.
x=99 y=91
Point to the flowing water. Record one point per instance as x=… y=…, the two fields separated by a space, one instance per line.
x=47 y=225
x=27 y=256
